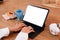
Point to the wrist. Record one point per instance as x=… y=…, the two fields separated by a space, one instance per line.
x=10 y=29
x=24 y=32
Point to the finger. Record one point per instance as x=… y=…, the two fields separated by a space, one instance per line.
x=22 y=24
x=30 y=28
x=32 y=31
x=25 y=25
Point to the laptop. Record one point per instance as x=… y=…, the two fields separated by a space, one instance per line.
x=35 y=17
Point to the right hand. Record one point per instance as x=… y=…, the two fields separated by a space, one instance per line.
x=28 y=29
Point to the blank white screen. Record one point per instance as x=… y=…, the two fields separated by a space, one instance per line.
x=35 y=15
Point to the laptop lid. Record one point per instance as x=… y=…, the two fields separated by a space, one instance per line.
x=35 y=15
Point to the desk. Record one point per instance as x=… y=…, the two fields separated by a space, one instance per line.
x=54 y=16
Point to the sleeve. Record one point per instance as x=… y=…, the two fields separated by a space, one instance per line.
x=22 y=36
x=4 y=32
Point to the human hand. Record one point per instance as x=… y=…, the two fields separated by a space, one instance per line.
x=17 y=27
x=28 y=29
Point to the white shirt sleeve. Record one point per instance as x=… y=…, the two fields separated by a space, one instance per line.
x=4 y=32
x=22 y=36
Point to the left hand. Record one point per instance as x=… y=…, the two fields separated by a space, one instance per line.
x=17 y=27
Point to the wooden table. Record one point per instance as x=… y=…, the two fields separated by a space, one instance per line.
x=53 y=17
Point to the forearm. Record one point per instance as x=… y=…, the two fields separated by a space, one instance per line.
x=22 y=36
x=4 y=32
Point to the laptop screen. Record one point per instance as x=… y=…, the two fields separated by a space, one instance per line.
x=35 y=15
